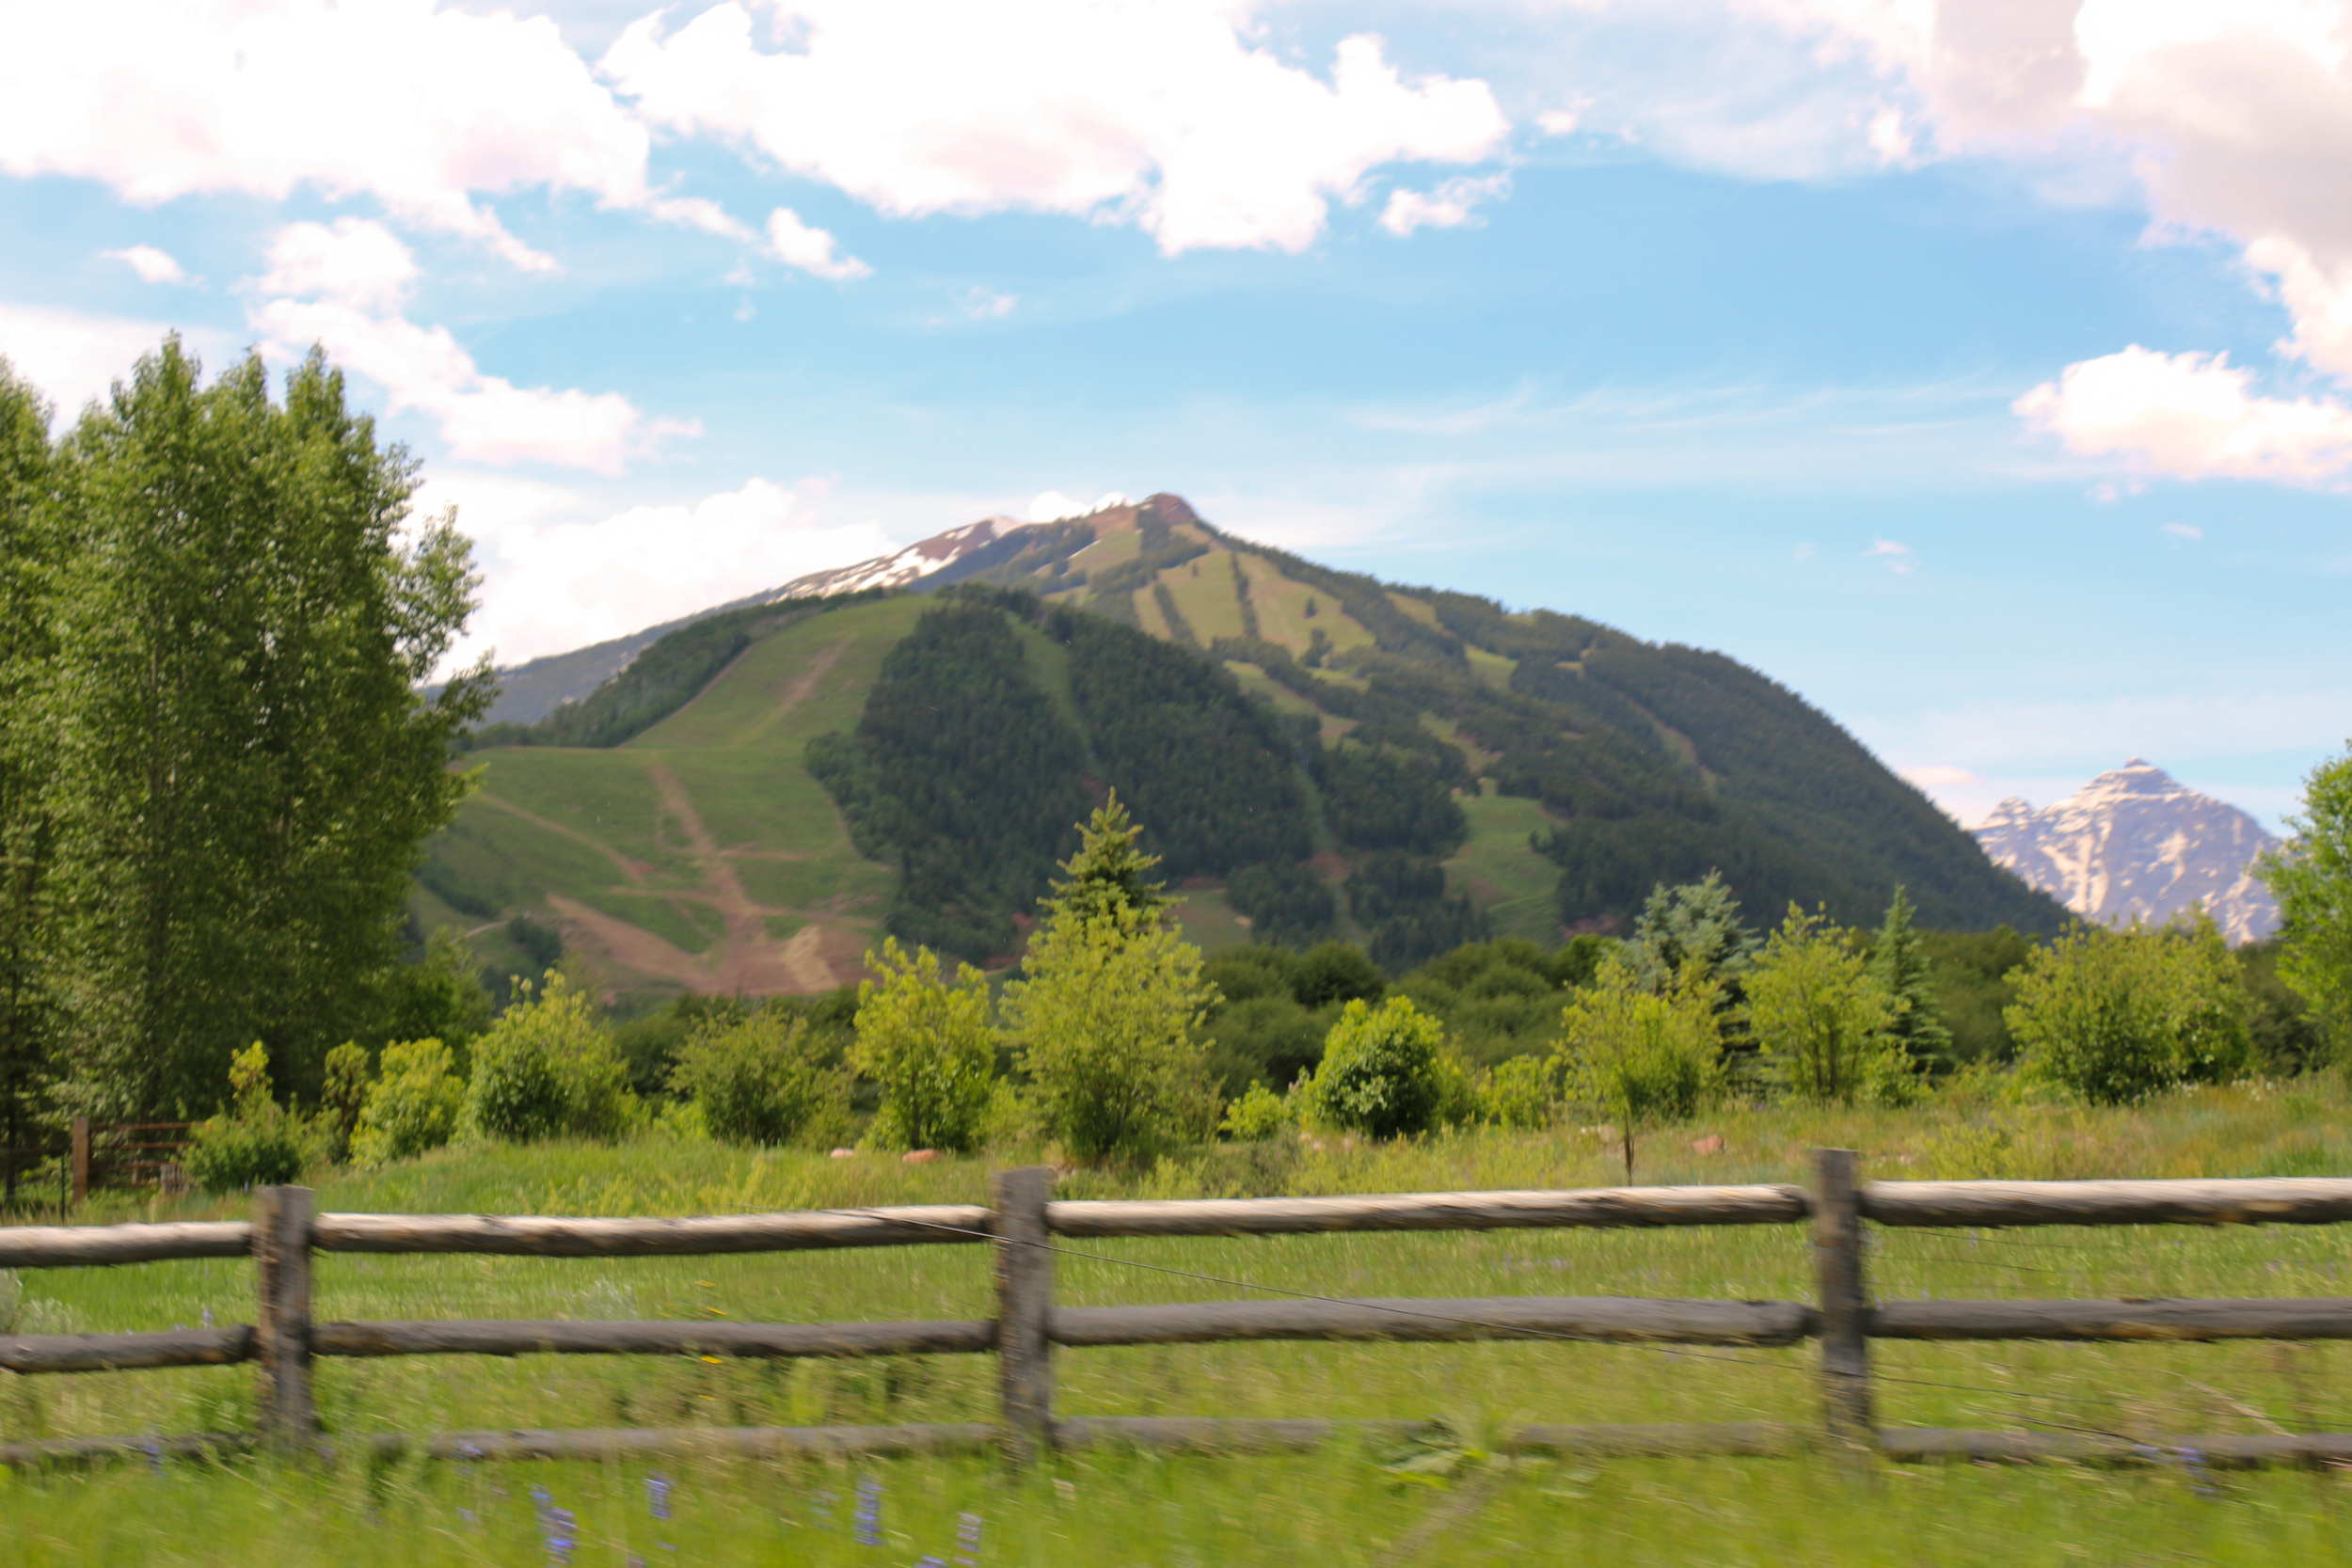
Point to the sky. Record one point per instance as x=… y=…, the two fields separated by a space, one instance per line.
x=1981 y=370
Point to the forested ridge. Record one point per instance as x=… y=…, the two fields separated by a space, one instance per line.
x=1319 y=754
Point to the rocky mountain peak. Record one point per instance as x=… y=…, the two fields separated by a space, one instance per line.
x=2134 y=841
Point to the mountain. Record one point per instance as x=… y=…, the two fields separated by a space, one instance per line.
x=2133 y=842
x=529 y=691
x=758 y=794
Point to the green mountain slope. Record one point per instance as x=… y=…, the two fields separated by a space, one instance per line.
x=1316 y=754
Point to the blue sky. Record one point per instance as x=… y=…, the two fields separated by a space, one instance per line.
x=1981 y=376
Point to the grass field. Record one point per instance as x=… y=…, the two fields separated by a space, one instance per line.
x=1344 y=1505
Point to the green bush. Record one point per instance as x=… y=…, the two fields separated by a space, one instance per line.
x=1519 y=1093
x=415 y=1103
x=264 y=1148
x=762 y=1079
x=1257 y=1115
x=545 y=1069
x=924 y=1036
x=1383 y=1072
x=258 y=1144
x=2114 y=1016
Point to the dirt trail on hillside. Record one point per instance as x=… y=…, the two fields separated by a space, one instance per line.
x=804 y=686
x=747 y=959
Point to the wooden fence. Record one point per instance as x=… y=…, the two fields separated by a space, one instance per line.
x=1027 y=1229
x=102 y=1154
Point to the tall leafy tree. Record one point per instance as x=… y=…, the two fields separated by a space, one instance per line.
x=1899 y=964
x=2313 y=879
x=29 y=562
x=245 y=766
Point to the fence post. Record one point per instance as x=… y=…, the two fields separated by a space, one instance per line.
x=1845 y=1313
x=281 y=1267
x=1024 y=1301
x=81 y=1161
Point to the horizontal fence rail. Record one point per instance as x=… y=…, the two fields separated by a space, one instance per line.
x=1022 y=1226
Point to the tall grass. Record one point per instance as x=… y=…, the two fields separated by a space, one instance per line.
x=1344 y=1505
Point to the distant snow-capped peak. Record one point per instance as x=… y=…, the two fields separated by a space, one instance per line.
x=2137 y=842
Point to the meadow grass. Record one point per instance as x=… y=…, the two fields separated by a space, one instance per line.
x=1342 y=1505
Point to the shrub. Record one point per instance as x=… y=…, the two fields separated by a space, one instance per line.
x=926 y=1039
x=1822 y=1022
x=1638 y=1058
x=1107 y=1023
x=259 y=1143
x=760 y=1079
x=1519 y=1093
x=1383 y=1072
x=1257 y=1115
x=545 y=1069
x=346 y=1092
x=415 y=1103
x=2114 y=1016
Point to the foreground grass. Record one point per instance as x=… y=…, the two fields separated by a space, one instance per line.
x=1340 y=1505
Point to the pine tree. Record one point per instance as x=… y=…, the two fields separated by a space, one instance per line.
x=1107 y=875
x=1696 y=923
x=1899 y=962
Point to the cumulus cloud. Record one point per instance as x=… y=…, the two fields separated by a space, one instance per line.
x=2192 y=416
x=1117 y=110
x=2235 y=116
x=422 y=109
x=1452 y=205
x=153 y=266
x=795 y=244
x=74 y=356
x=345 y=286
x=558 y=576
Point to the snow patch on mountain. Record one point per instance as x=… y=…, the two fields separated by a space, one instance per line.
x=2136 y=842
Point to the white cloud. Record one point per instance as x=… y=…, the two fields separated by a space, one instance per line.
x=1804 y=552
x=2192 y=416
x=1939 y=776
x=422 y=109
x=1119 y=110
x=153 y=266
x=73 y=357
x=1452 y=205
x=2184 y=530
x=983 y=303
x=1898 y=558
x=795 y=244
x=555 y=579
x=1559 y=123
x=343 y=287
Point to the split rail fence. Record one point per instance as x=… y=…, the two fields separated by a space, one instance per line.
x=1027 y=1229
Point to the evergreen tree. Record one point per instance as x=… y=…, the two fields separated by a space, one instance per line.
x=28 y=561
x=242 y=766
x=1107 y=876
x=1899 y=962
x=1696 y=923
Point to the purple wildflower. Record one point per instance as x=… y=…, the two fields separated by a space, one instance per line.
x=558 y=1529
x=658 y=1489
x=967 y=1541
x=869 y=1512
